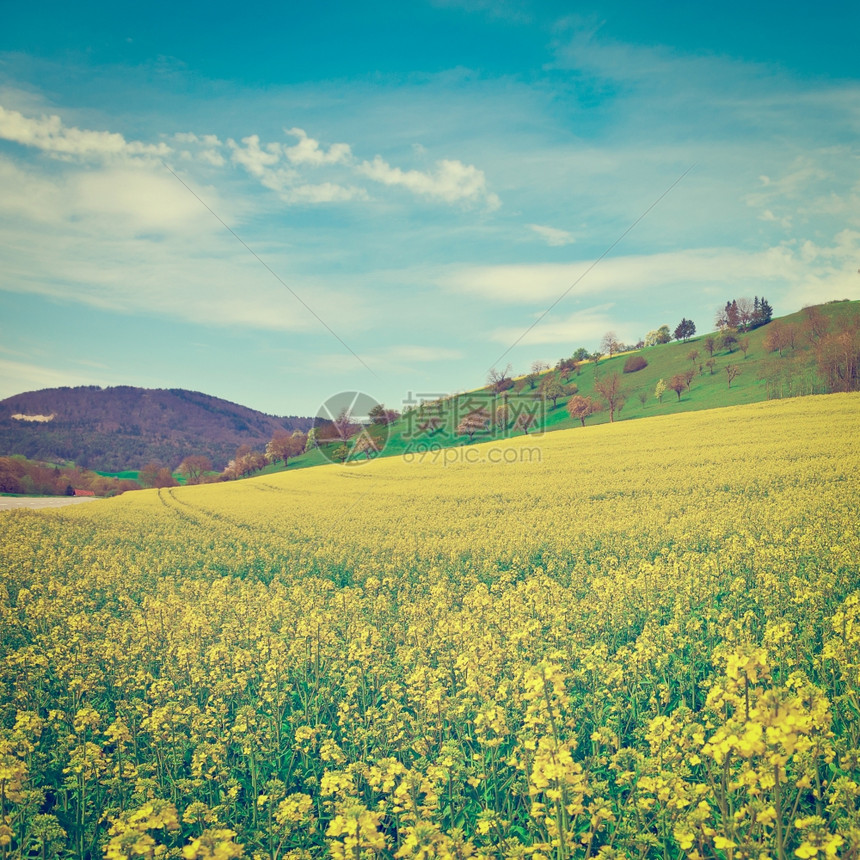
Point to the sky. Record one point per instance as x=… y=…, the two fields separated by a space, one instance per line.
x=276 y=203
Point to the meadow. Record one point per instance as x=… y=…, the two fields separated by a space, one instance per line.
x=634 y=640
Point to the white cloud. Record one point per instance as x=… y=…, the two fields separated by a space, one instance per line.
x=452 y=181
x=49 y=134
x=27 y=195
x=581 y=327
x=326 y=192
x=552 y=235
x=545 y=282
x=188 y=137
x=308 y=151
x=117 y=200
x=827 y=272
x=262 y=163
x=212 y=157
x=208 y=146
x=255 y=160
x=202 y=279
x=276 y=166
x=139 y=200
x=804 y=173
x=132 y=239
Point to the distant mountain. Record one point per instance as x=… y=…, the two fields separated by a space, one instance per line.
x=113 y=429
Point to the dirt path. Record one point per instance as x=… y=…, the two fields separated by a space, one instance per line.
x=8 y=503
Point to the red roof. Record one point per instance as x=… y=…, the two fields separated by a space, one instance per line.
x=84 y=493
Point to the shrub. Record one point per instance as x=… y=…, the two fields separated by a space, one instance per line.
x=634 y=363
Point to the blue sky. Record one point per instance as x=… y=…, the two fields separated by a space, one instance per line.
x=424 y=179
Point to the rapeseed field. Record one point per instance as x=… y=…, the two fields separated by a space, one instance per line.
x=638 y=640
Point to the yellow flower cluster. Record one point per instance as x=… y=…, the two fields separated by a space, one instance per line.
x=644 y=642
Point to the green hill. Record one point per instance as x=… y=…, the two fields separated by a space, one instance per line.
x=764 y=374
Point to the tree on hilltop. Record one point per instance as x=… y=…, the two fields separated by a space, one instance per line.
x=684 y=330
x=382 y=416
x=815 y=324
x=500 y=380
x=657 y=336
x=610 y=344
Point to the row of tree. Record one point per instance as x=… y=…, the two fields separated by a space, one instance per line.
x=21 y=476
x=280 y=449
x=743 y=314
x=836 y=345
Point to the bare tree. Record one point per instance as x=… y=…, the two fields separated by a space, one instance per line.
x=525 y=421
x=838 y=356
x=609 y=388
x=815 y=324
x=746 y=310
x=609 y=343
x=678 y=383
x=732 y=372
x=775 y=339
x=689 y=376
x=343 y=424
x=500 y=380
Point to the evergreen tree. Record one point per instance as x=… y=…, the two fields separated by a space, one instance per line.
x=685 y=329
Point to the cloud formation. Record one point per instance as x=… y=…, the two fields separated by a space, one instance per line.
x=552 y=235
x=49 y=134
x=585 y=326
x=276 y=166
x=452 y=181
x=693 y=269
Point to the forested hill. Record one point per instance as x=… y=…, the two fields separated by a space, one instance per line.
x=113 y=429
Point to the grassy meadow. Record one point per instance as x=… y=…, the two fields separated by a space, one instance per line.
x=637 y=640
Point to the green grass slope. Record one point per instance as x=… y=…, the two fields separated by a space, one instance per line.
x=763 y=375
